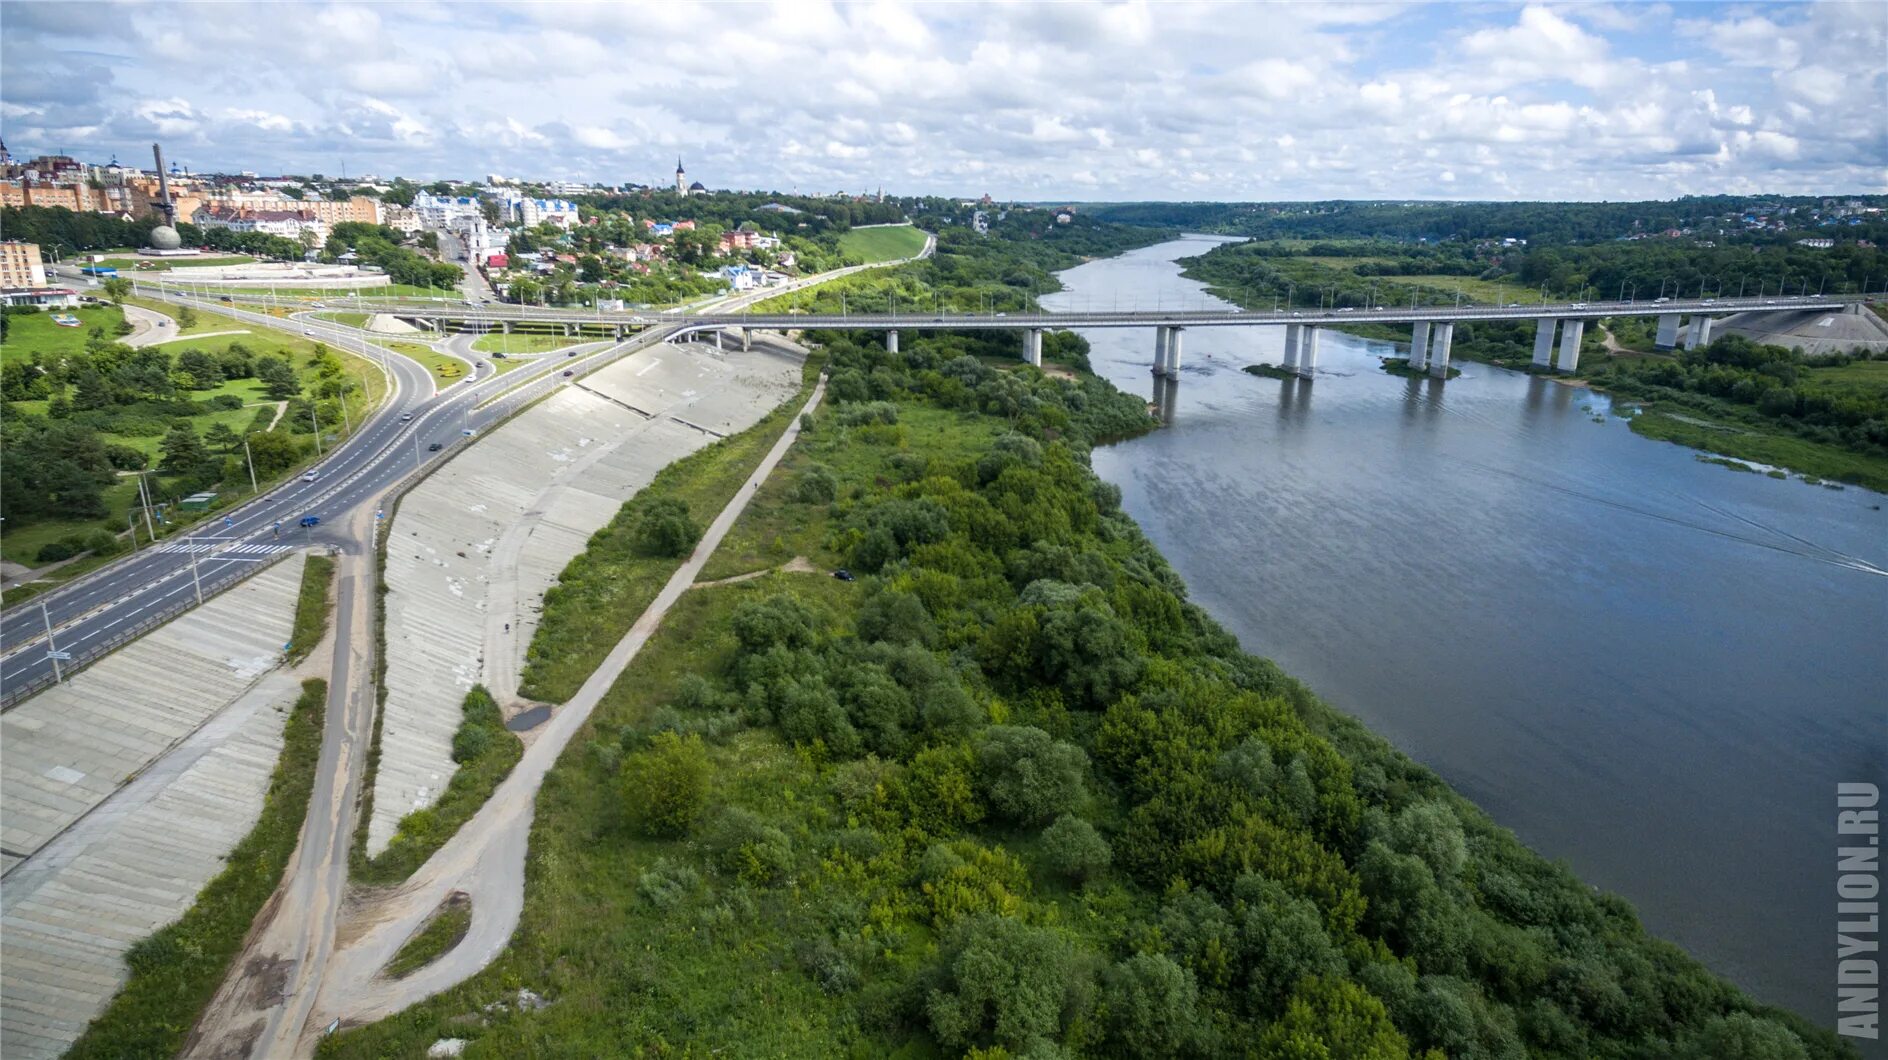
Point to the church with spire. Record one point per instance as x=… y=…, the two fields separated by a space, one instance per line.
x=682 y=186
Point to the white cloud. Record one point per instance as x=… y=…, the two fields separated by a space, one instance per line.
x=1101 y=99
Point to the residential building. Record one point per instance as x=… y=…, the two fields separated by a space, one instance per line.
x=79 y=198
x=20 y=265
x=289 y=224
x=1816 y=244
x=534 y=212
x=740 y=277
x=441 y=211
x=402 y=219
x=733 y=241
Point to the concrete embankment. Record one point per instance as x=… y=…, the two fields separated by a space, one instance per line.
x=473 y=548
x=122 y=791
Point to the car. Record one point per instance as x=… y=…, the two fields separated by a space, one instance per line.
x=1710 y=301
x=568 y=373
x=1347 y=309
x=226 y=298
x=317 y=305
x=1002 y=314
x=305 y=331
x=310 y=476
x=1660 y=300
x=311 y=520
x=435 y=447
x=498 y=356
x=406 y=417
x=1297 y=314
x=572 y=353
x=843 y=574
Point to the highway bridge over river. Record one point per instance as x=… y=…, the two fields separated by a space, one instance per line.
x=1559 y=326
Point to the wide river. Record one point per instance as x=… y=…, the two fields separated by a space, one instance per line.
x=1653 y=668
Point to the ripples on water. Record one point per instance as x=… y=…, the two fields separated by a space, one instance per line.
x=1651 y=667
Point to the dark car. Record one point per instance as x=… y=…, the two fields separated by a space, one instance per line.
x=311 y=520
x=435 y=447
x=572 y=353
x=498 y=356
x=568 y=373
x=226 y=298
x=843 y=574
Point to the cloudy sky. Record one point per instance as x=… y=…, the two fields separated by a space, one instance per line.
x=1025 y=100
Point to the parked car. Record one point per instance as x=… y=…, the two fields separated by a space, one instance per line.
x=843 y=574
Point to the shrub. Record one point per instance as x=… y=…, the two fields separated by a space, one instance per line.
x=666 y=884
x=1001 y=982
x=816 y=485
x=664 y=528
x=665 y=786
x=750 y=848
x=54 y=551
x=1073 y=848
x=1027 y=776
x=1151 y=1006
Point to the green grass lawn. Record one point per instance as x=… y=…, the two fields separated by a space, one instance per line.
x=882 y=244
x=510 y=364
x=30 y=333
x=446 y=368
x=447 y=926
x=206 y=321
x=1776 y=448
x=352 y=320
x=1473 y=290
x=131 y=264
x=519 y=342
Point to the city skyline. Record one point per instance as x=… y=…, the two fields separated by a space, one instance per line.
x=1082 y=103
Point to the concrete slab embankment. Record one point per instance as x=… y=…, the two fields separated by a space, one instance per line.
x=475 y=546
x=70 y=747
x=192 y=714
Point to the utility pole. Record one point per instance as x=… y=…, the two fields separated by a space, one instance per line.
x=191 y=543
x=144 y=492
x=253 y=488
x=52 y=650
x=317 y=425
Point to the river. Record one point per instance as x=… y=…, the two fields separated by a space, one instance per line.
x=1652 y=668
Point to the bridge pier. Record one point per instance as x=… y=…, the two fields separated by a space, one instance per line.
x=1668 y=331
x=891 y=341
x=1032 y=347
x=1700 y=332
x=504 y=326
x=1308 y=352
x=1160 y=349
x=1544 y=342
x=717 y=338
x=747 y=339
x=1294 y=340
x=1418 y=345
x=1571 y=333
x=1439 y=349
x=1173 y=352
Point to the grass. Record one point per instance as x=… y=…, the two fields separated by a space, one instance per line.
x=440 y=934
x=486 y=752
x=166 y=264
x=446 y=368
x=206 y=321
x=352 y=320
x=176 y=971
x=317 y=294
x=1813 y=459
x=601 y=592
x=881 y=244
x=519 y=342
x=778 y=526
x=311 y=607
x=30 y=333
x=1400 y=366
x=502 y=365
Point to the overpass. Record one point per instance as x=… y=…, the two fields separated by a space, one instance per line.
x=1559 y=326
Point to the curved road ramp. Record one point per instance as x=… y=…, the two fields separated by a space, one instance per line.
x=473 y=548
x=121 y=792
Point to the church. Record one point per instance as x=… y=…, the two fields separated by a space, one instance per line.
x=683 y=187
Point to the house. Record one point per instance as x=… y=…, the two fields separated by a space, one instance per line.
x=740 y=277
x=684 y=226
x=733 y=241
x=499 y=260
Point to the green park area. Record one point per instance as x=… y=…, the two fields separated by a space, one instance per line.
x=139 y=264
x=887 y=243
x=86 y=417
x=446 y=368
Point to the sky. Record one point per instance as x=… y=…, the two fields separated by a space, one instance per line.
x=1034 y=101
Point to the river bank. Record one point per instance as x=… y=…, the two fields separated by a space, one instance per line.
x=1582 y=631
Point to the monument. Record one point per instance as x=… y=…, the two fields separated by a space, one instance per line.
x=163 y=241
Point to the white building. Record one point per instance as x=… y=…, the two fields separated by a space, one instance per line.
x=534 y=212
x=568 y=187
x=481 y=238
x=403 y=219
x=289 y=224
x=441 y=211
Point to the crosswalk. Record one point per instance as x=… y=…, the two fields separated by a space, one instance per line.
x=222 y=547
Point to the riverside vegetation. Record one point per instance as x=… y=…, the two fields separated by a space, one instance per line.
x=1011 y=794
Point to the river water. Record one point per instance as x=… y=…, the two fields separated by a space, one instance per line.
x=1653 y=668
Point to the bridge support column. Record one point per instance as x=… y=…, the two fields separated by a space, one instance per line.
x=1308 y=352
x=717 y=338
x=1032 y=346
x=1439 y=349
x=747 y=339
x=1544 y=342
x=1161 y=339
x=1294 y=342
x=891 y=341
x=1418 y=345
x=1571 y=333
x=1700 y=331
x=504 y=326
x=1173 y=352
x=1668 y=331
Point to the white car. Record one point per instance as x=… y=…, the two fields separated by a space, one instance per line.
x=305 y=331
x=310 y=476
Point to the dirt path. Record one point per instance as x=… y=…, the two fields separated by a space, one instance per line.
x=486 y=858
x=280 y=408
x=796 y=565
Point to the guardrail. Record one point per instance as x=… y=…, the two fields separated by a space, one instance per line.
x=13 y=695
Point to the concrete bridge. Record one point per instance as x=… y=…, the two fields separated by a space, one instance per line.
x=1558 y=327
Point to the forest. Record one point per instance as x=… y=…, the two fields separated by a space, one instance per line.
x=1011 y=794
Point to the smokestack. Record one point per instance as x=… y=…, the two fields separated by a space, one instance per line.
x=163 y=188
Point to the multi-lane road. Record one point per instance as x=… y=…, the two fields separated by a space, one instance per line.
x=103 y=608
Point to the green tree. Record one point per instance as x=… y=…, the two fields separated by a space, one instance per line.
x=187 y=318
x=219 y=437
x=663 y=528
x=273 y=452
x=1071 y=847
x=665 y=786
x=277 y=378
x=183 y=451
x=1027 y=776
x=117 y=288
x=1150 y=1007
x=1333 y=1019
x=1003 y=983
